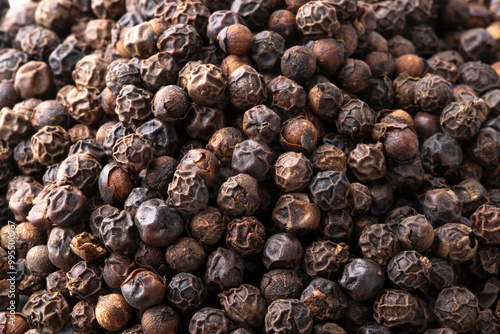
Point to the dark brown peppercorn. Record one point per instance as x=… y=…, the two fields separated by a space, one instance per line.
x=367 y=162
x=261 y=124
x=362 y=279
x=208 y=225
x=209 y=320
x=245 y=236
x=280 y=284
x=121 y=73
x=138 y=196
x=83 y=318
x=408 y=270
x=298 y=63
x=163 y=136
x=244 y=305
x=484 y=224
x=47 y=311
x=292 y=171
x=379 y=243
x=283 y=22
x=294 y=214
x=246 y=87
x=80 y=170
x=21 y=201
x=84 y=280
x=181 y=41
x=395 y=308
x=254 y=12
x=170 y=104
x=286 y=95
x=356 y=119
x=38 y=260
x=112 y=312
x=455 y=242
x=282 y=251
x=253 y=158
x=325 y=299
x=485 y=147
x=432 y=93
x=381 y=63
x=185 y=255
x=186 y=291
x=325 y=258
x=33 y=79
x=158 y=70
x=202 y=162
x=187 y=191
x=90 y=71
x=329 y=190
x=223 y=142
x=472 y=195
x=160 y=319
x=442 y=206
x=325 y=100
x=116 y=269
x=328 y=157
x=132 y=153
x=133 y=104
x=291 y=314
x=461 y=314
x=267 y=49
x=143 y=289
x=354 y=75
x=441 y=154
x=238 y=196
x=480 y=76
x=58 y=243
x=140 y=40
x=462 y=120
x=158 y=224
x=50 y=144
x=415 y=233
x=202 y=122
x=56 y=206
x=224 y=270
x=119 y=234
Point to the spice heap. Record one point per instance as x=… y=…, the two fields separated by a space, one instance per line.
x=251 y=166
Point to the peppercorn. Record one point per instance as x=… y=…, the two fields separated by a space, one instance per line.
x=298 y=63
x=208 y=320
x=224 y=270
x=298 y=317
x=112 y=311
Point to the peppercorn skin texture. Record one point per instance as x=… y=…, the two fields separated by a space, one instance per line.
x=457 y=308
x=288 y=316
x=485 y=224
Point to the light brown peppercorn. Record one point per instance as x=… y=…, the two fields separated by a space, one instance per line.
x=235 y=39
x=206 y=84
x=113 y=312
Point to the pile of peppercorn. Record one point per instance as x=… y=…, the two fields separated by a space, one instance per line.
x=250 y=166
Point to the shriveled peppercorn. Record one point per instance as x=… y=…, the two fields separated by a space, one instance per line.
x=224 y=270
x=291 y=314
x=460 y=315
